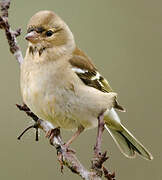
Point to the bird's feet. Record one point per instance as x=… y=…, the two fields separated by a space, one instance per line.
x=52 y=133
x=64 y=147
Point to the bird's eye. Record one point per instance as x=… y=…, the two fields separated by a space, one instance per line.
x=49 y=33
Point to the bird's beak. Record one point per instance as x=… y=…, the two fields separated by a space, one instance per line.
x=32 y=36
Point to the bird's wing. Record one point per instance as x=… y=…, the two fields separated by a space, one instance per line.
x=88 y=73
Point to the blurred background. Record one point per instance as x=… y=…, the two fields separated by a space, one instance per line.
x=124 y=39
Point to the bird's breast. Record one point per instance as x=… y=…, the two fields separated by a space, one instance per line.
x=45 y=94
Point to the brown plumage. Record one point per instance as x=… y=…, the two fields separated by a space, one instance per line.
x=60 y=84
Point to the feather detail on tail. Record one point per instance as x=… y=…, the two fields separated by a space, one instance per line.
x=126 y=142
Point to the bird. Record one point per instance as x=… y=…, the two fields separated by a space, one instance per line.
x=61 y=85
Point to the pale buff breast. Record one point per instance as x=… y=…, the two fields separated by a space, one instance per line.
x=44 y=97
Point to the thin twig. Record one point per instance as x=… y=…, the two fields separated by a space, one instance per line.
x=10 y=34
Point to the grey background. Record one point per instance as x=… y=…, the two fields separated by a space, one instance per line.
x=124 y=39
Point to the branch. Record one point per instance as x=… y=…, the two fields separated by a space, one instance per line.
x=10 y=34
x=66 y=157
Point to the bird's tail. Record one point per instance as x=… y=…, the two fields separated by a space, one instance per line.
x=126 y=142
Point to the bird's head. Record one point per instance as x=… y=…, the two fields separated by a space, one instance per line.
x=47 y=30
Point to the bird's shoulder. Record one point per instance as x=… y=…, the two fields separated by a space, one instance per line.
x=82 y=65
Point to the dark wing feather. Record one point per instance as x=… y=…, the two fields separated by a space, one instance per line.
x=88 y=73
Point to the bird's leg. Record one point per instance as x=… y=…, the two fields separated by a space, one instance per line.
x=51 y=133
x=99 y=158
x=75 y=135
x=97 y=148
x=64 y=147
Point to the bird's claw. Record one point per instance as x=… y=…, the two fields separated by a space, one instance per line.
x=52 y=133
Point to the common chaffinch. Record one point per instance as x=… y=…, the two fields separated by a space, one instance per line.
x=60 y=84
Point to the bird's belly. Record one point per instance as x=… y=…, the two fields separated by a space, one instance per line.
x=61 y=110
x=48 y=103
x=46 y=108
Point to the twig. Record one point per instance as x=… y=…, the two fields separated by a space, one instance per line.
x=108 y=175
x=65 y=157
x=10 y=34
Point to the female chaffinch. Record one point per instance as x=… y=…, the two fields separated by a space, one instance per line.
x=60 y=84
